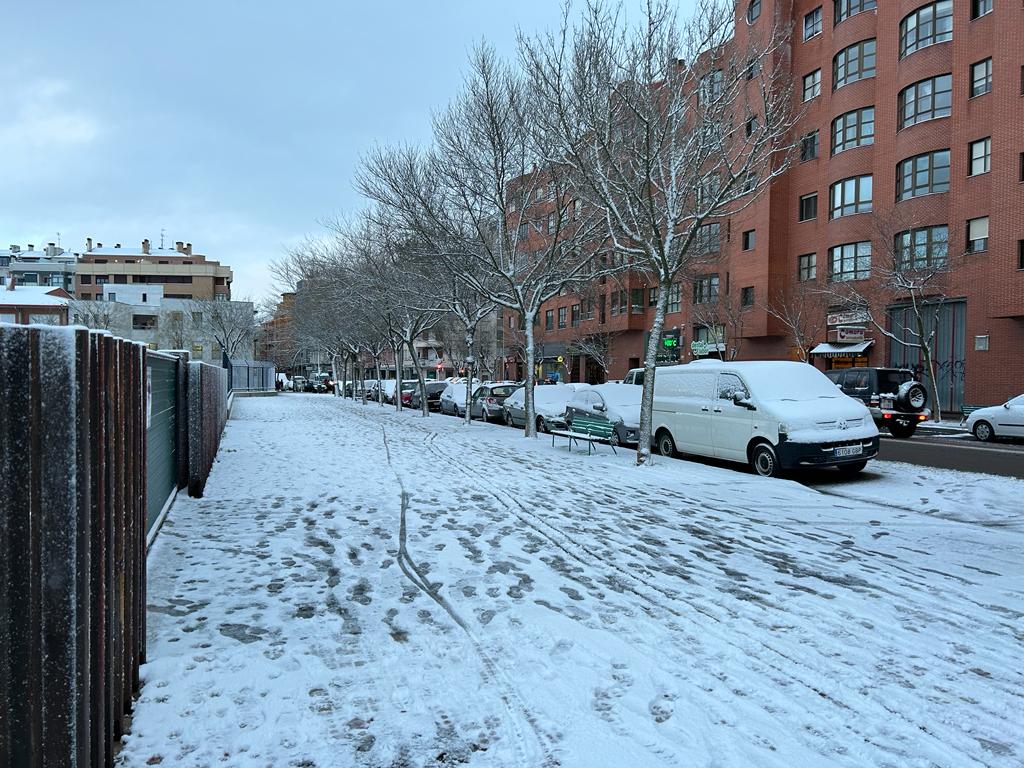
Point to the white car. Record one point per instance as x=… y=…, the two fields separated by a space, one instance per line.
x=453 y=399
x=1006 y=420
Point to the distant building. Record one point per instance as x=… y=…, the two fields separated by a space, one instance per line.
x=33 y=304
x=52 y=266
x=179 y=272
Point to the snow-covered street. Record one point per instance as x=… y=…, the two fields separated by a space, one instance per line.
x=365 y=588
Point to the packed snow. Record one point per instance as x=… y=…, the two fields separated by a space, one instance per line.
x=365 y=588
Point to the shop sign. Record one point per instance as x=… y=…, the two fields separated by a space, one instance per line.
x=847 y=318
x=849 y=334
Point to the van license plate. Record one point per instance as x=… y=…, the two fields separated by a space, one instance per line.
x=887 y=403
x=849 y=450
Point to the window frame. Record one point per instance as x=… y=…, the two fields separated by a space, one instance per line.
x=981 y=8
x=746 y=292
x=749 y=240
x=854 y=257
x=853 y=7
x=858 y=203
x=706 y=289
x=931 y=22
x=969 y=243
x=908 y=244
x=815 y=85
x=753 y=11
x=934 y=112
x=807 y=267
x=814 y=146
x=862 y=70
x=861 y=137
x=674 y=300
x=902 y=191
x=815 y=24
x=563 y=313
x=809 y=198
x=985 y=158
x=986 y=81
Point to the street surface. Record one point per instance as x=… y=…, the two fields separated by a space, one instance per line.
x=362 y=588
x=959 y=451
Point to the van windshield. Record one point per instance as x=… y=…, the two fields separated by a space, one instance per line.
x=797 y=382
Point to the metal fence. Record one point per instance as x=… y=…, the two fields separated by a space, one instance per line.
x=249 y=375
x=96 y=436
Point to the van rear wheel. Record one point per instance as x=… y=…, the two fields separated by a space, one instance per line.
x=764 y=461
x=666 y=445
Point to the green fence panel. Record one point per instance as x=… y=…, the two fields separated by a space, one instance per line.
x=161 y=433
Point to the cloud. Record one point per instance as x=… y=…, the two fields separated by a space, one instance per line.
x=39 y=119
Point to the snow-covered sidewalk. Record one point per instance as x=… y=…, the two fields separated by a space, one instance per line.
x=361 y=588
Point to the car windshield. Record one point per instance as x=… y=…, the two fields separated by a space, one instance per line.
x=502 y=391
x=890 y=381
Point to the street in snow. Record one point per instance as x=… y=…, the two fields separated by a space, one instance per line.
x=365 y=588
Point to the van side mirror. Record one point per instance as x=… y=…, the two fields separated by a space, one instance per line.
x=742 y=399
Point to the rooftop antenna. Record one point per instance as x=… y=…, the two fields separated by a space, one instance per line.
x=58 y=239
x=161 y=238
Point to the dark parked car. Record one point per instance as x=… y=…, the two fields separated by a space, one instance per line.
x=488 y=399
x=434 y=390
x=895 y=398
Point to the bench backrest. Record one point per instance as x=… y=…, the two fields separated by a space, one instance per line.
x=593 y=427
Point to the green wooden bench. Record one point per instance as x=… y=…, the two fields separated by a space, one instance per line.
x=586 y=428
x=967 y=410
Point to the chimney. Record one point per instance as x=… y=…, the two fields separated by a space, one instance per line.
x=31 y=247
x=51 y=250
x=145 y=246
x=188 y=249
x=15 y=248
x=179 y=246
x=88 y=244
x=117 y=245
x=99 y=245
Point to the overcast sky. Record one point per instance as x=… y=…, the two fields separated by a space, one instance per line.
x=232 y=125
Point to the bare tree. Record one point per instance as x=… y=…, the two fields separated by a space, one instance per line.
x=801 y=310
x=176 y=330
x=906 y=269
x=596 y=345
x=665 y=150
x=487 y=202
x=232 y=324
x=105 y=315
x=723 y=316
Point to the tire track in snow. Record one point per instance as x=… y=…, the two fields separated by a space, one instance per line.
x=510 y=697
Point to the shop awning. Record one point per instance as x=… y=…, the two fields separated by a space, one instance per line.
x=827 y=349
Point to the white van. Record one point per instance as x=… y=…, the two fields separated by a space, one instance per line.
x=773 y=415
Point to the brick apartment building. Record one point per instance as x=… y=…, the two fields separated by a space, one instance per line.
x=910 y=112
x=181 y=273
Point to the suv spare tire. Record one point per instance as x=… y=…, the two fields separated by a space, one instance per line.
x=912 y=396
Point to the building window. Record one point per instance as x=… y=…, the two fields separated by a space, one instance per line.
x=111 y=296
x=981 y=78
x=977 y=235
x=549 y=320
x=749 y=238
x=925 y=174
x=524 y=230
x=1020 y=254
x=652 y=296
x=812 y=85
x=753 y=11
x=705 y=289
x=708 y=238
x=747 y=294
x=143 y=322
x=851 y=261
x=928 y=25
x=809 y=146
x=925 y=100
x=710 y=86
x=551 y=223
x=808 y=207
x=636 y=300
x=854 y=63
x=980 y=156
x=562 y=311
x=807 y=267
x=980 y=7
x=922 y=248
x=102 y=279
x=753 y=68
x=851 y=196
x=588 y=309
x=854 y=129
x=751 y=126
x=844 y=9
x=812 y=24
x=574 y=316
x=674 y=297
x=85 y=279
x=708 y=189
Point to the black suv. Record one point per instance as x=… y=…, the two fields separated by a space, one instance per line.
x=896 y=400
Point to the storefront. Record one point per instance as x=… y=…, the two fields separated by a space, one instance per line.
x=840 y=355
x=847 y=345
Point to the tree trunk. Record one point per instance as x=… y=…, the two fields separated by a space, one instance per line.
x=380 y=389
x=334 y=374
x=399 y=370
x=929 y=362
x=470 y=361
x=531 y=414
x=643 y=448
x=424 y=408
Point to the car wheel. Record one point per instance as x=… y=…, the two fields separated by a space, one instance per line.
x=902 y=431
x=764 y=461
x=852 y=469
x=983 y=431
x=614 y=440
x=666 y=445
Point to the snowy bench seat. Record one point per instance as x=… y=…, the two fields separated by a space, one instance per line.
x=584 y=428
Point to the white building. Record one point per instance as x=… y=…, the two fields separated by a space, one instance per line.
x=52 y=267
